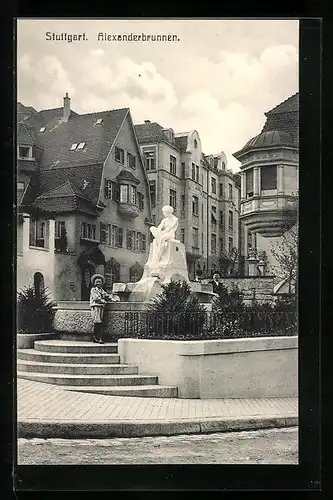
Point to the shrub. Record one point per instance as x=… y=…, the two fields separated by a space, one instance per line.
x=174 y=313
x=35 y=311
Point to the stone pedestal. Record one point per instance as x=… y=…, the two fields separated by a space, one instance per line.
x=253 y=262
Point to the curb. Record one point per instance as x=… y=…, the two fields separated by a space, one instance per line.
x=32 y=428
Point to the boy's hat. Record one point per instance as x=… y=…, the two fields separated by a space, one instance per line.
x=95 y=276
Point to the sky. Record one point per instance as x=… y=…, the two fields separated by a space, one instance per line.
x=219 y=77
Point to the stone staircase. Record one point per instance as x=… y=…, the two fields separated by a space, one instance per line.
x=87 y=367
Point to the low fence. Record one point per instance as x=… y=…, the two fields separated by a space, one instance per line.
x=209 y=325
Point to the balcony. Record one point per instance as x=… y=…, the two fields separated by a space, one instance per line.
x=128 y=210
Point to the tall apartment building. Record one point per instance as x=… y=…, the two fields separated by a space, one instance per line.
x=205 y=195
x=83 y=200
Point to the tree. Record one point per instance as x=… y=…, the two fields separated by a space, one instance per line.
x=285 y=251
x=227 y=262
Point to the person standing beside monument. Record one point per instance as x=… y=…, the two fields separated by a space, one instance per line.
x=217 y=286
x=98 y=299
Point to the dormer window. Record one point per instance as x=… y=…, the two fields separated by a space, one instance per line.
x=195 y=143
x=73 y=146
x=99 y=121
x=81 y=145
x=42 y=129
x=25 y=152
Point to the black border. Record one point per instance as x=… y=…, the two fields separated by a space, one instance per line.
x=307 y=475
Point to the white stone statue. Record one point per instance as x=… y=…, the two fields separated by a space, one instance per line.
x=163 y=234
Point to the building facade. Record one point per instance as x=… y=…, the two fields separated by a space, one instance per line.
x=83 y=198
x=269 y=181
x=205 y=195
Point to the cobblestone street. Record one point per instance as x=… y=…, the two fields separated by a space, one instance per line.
x=273 y=446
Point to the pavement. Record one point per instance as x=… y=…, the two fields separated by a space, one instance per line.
x=48 y=411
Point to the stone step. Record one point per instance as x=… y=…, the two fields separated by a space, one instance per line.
x=90 y=380
x=148 y=391
x=65 y=357
x=76 y=369
x=73 y=346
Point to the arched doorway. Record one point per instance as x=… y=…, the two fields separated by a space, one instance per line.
x=38 y=283
x=88 y=261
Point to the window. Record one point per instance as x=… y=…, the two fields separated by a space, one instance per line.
x=131 y=160
x=73 y=146
x=249 y=183
x=136 y=241
x=268 y=176
x=20 y=186
x=221 y=218
x=195 y=143
x=221 y=190
x=128 y=194
x=143 y=242
x=136 y=272
x=116 y=236
x=99 y=121
x=141 y=202
x=173 y=165
x=195 y=205
x=152 y=191
x=195 y=235
x=230 y=191
x=193 y=171
x=197 y=173
x=132 y=195
x=112 y=274
x=42 y=129
x=221 y=245
x=88 y=231
x=119 y=155
x=216 y=162
x=149 y=157
x=202 y=242
x=109 y=190
x=182 y=235
x=223 y=165
x=213 y=218
x=213 y=185
x=231 y=220
x=130 y=239
x=25 y=152
x=60 y=229
x=105 y=233
x=124 y=193
x=173 y=198
x=81 y=145
x=231 y=244
x=213 y=244
x=182 y=202
x=182 y=170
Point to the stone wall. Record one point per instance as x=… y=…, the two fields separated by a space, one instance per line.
x=261 y=287
x=210 y=369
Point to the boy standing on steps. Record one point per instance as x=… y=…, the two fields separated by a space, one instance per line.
x=98 y=299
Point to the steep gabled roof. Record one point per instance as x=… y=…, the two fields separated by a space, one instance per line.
x=288 y=106
x=150 y=133
x=85 y=180
x=25 y=135
x=181 y=141
x=57 y=141
x=65 y=198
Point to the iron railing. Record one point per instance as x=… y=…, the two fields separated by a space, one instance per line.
x=205 y=325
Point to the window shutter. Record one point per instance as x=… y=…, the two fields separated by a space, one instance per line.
x=120 y=237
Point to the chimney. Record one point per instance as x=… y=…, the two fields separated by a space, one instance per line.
x=67 y=107
x=147 y=121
